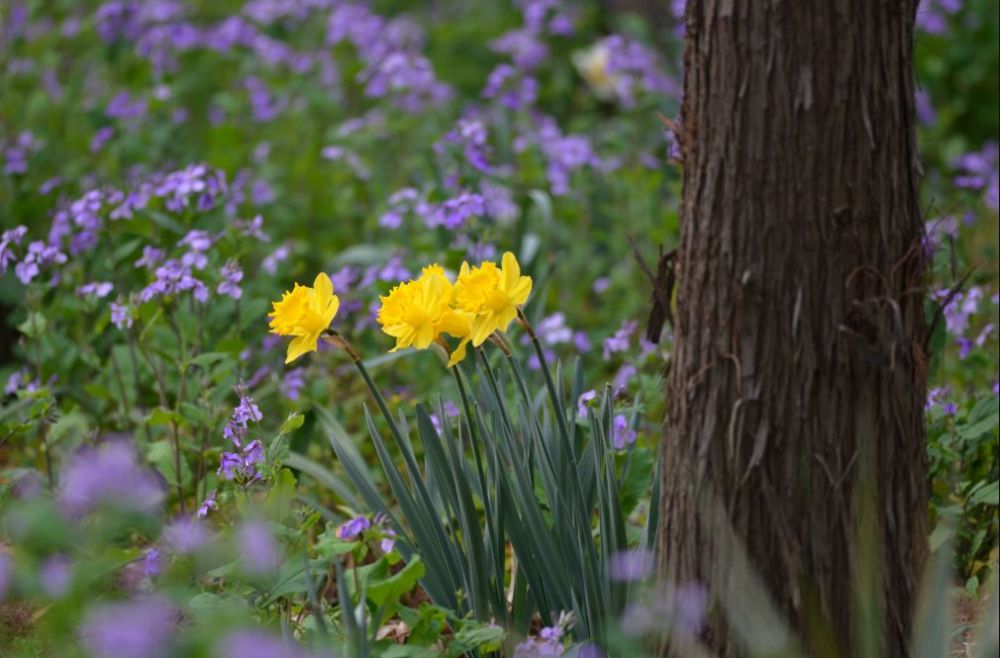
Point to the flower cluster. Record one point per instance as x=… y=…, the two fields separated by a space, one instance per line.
x=484 y=299
x=242 y=464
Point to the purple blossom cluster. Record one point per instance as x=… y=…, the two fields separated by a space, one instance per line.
x=470 y=135
x=141 y=628
x=260 y=550
x=550 y=641
x=564 y=154
x=512 y=87
x=620 y=341
x=958 y=315
x=257 y=643
x=356 y=529
x=676 y=610
x=242 y=464
x=980 y=171
x=933 y=16
x=634 y=67
x=389 y=49
x=16 y=152
x=108 y=474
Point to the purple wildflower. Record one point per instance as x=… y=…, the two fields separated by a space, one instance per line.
x=261 y=553
x=625 y=566
x=272 y=260
x=109 y=473
x=99 y=289
x=620 y=340
x=121 y=316
x=622 y=433
x=208 y=504
x=582 y=402
x=292 y=383
x=186 y=536
x=352 y=528
x=256 y=643
x=55 y=575
x=151 y=257
x=141 y=628
x=231 y=277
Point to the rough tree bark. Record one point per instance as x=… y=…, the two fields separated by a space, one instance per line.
x=800 y=331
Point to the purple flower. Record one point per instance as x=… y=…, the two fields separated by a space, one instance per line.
x=581 y=403
x=622 y=433
x=231 y=277
x=151 y=563
x=625 y=566
x=99 y=289
x=6 y=572
x=261 y=553
x=186 y=536
x=109 y=473
x=453 y=213
x=208 y=504
x=471 y=135
x=354 y=527
x=620 y=340
x=388 y=542
x=678 y=609
x=293 y=382
x=38 y=254
x=151 y=257
x=272 y=260
x=55 y=575
x=121 y=316
x=171 y=278
x=101 y=138
x=514 y=90
x=499 y=202
x=523 y=46
x=350 y=158
x=623 y=377
x=123 y=107
x=140 y=628
x=256 y=643
x=394 y=270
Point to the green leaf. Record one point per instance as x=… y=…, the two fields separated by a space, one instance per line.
x=161 y=456
x=986 y=493
x=409 y=651
x=208 y=358
x=161 y=416
x=292 y=423
x=33 y=326
x=195 y=413
x=278 y=505
x=390 y=589
x=474 y=636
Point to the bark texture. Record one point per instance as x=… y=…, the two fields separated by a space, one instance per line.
x=799 y=364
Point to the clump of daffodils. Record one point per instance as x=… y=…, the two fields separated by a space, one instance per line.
x=418 y=313
x=483 y=300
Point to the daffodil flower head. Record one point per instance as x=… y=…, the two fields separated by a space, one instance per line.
x=491 y=295
x=304 y=313
x=415 y=313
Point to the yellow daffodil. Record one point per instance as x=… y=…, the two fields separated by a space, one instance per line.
x=491 y=295
x=304 y=313
x=417 y=312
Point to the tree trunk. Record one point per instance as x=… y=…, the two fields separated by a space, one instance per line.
x=798 y=378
